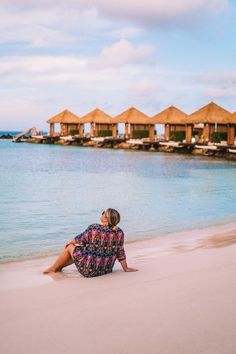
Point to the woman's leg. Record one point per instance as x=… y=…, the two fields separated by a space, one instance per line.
x=63 y=260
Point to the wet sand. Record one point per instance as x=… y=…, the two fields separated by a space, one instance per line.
x=182 y=301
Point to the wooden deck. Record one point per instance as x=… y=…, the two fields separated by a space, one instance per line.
x=218 y=150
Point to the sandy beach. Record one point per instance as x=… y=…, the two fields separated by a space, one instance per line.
x=181 y=301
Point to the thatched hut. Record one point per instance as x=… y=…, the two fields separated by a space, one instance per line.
x=101 y=124
x=69 y=123
x=231 y=136
x=176 y=124
x=137 y=124
x=216 y=122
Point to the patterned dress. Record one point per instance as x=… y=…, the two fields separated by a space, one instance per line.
x=97 y=249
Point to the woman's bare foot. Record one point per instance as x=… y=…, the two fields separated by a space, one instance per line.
x=50 y=270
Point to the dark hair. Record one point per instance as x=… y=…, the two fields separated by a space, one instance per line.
x=113 y=217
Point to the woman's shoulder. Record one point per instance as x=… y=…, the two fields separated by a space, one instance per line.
x=119 y=230
x=94 y=226
x=100 y=227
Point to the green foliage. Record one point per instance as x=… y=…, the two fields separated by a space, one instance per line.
x=216 y=137
x=103 y=133
x=196 y=132
x=74 y=132
x=140 y=134
x=177 y=136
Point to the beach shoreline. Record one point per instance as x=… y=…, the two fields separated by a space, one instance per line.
x=190 y=234
x=28 y=271
x=180 y=301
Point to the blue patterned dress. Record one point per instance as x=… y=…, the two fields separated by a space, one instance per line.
x=97 y=249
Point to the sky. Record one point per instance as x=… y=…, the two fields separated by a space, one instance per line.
x=84 y=54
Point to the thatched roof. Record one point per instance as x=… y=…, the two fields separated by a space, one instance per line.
x=233 y=118
x=66 y=117
x=97 y=116
x=170 y=115
x=211 y=113
x=132 y=116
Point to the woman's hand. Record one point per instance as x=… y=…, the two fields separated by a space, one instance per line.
x=126 y=268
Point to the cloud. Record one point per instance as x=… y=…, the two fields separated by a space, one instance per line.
x=122 y=53
x=49 y=27
x=85 y=53
x=219 y=93
x=214 y=86
x=126 y=32
x=217 y=86
x=219 y=79
x=29 y=69
x=148 y=13
x=143 y=88
x=157 y=13
x=64 y=68
x=145 y=93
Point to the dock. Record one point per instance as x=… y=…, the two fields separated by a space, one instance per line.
x=145 y=144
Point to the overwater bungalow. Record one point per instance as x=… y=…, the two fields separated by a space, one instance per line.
x=176 y=124
x=101 y=124
x=69 y=124
x=214 y=123
x=137 y=124
x=232 y=130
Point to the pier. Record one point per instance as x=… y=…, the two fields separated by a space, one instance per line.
x=209 y=131
x=151 y=145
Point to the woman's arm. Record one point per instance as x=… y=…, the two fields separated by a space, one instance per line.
x=122 y=256
x=126 y=268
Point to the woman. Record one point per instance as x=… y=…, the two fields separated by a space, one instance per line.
x=95 y=251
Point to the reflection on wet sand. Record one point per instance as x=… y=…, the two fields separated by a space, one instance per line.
x=214 y=241
x=219 y=240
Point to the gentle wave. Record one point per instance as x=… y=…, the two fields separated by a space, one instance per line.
x=51 y=193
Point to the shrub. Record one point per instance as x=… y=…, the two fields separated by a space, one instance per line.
x=103 y=133
x=216 y=137
x=74 y=132
x=177 y=136
x=196 y=133
x=139 y=134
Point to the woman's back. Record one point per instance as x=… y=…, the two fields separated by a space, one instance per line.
x=97 y=249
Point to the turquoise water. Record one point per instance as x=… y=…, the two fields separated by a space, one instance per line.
x=12 y=133
x=51 y=193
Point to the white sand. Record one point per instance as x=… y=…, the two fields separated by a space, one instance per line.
x=182 y=301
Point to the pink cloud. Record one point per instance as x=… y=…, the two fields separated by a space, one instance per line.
x=152 y=13
x=219 y=79
x=122 y=53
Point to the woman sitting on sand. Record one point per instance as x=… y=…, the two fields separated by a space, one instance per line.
x=95 y=251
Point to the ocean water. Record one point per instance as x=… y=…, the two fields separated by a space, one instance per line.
x=51 y=193
x=12 y=133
